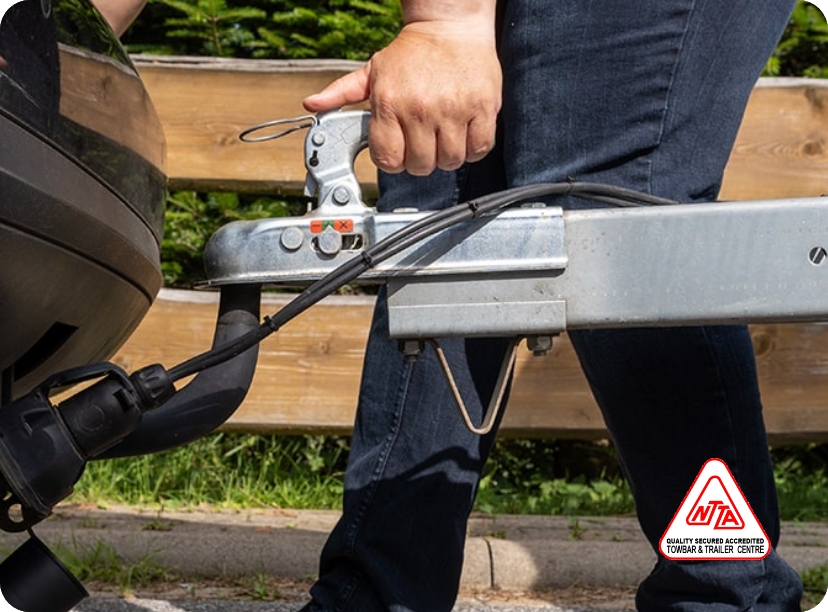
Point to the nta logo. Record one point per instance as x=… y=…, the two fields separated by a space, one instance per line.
x=714 y=521
x=711 y=505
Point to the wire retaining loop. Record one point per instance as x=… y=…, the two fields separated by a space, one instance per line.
x=303 y=122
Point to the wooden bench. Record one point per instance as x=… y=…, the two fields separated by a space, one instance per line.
x=308 y=374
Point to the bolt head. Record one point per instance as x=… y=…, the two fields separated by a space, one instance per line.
x=292 y=238
x=329 y=242
x=539 y=345
x=341 y=195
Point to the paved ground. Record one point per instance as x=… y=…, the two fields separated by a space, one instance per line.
x=548 y=564
x=154 y=605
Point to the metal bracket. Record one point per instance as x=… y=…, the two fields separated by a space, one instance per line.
x=496 y=402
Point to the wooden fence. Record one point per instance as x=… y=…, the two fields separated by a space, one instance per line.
x=309 y=372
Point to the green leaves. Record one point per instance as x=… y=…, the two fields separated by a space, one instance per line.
x=214 y=23
x=351 y=29
x=273 y=29
x=191 y=218
x=814 y=580
x=803 y=50
x=218 y=27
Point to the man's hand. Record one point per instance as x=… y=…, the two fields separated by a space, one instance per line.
x=434 y=92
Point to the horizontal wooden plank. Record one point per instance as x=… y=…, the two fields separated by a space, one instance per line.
x=308 y=374
x=204 y=103
x=782 y=147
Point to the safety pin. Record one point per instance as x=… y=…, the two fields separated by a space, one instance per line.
x=309 y=122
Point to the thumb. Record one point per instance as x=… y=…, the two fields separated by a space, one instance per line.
x=349 y=89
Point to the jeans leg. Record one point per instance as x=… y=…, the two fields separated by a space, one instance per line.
x=414 y=467
x=411 y=481
x=649 y=95
x=646 y=95
x=673 y=399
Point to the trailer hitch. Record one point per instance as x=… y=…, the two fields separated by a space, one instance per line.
x=511 y=263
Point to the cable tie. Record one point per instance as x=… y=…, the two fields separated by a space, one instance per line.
x=271 y=323
x=570 y=180
x=473 y=206
x=367 y=259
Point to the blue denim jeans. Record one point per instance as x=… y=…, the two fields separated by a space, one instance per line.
x=644 y=94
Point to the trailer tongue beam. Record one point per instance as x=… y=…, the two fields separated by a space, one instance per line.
x=537 y=269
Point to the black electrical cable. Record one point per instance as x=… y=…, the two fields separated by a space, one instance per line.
x=350 y=270
x=601 y=191
x=401 y=240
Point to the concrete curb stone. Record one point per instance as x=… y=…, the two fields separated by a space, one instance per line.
x=502 y=552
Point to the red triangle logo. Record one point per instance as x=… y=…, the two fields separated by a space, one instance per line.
x=715 y=507
x=714 y=521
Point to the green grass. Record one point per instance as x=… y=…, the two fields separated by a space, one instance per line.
x=802 y=481
x=224 y=470
x=100 y=563
x=523 y=476
x=559 y=496
x=815 y=581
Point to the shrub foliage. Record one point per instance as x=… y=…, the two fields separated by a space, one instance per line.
x=271 y=29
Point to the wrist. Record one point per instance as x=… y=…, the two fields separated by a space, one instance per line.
x=469 y=16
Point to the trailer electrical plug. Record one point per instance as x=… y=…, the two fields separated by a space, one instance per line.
x=44 y=447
